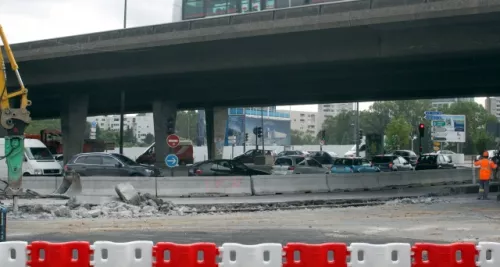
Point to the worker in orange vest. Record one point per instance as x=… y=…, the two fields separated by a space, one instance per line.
x=486 y=167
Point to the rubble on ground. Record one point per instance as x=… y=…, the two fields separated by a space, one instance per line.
x=131 y=204
x=419 y=200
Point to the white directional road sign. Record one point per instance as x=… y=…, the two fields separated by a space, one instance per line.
x=448 y=128
x=171 y=160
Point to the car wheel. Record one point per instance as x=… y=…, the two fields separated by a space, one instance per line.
x=26 y=174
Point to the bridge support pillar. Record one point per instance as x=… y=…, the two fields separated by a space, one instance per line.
x=162 y=111
x=216 y=119
x=73 y=124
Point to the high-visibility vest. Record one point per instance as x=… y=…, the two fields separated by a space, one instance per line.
x=485 y=168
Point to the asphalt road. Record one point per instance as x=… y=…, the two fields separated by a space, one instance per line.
x=253 y=236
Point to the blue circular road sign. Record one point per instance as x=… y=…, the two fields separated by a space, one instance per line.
x=171 y=160
x=94 y=124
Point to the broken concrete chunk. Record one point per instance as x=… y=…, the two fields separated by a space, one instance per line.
x=128 y=194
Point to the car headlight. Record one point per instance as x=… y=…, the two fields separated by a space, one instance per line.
x=38 y=171
x=148 y=171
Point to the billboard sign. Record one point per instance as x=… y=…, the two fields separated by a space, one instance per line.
x=448 y=128
x=275 y=131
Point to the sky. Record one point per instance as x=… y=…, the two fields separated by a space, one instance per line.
x=31 y=20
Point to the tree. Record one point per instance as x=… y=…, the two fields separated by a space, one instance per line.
x=186 y=124
x=129 y=137
x=300 y=138
x=149 y=139
x=398 y=133
x=340 y=129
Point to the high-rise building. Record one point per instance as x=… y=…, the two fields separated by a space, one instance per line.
x=331 y=110
x=446 y=102
x=303 y=121
x=492 y=105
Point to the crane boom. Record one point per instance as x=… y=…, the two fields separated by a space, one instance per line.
x=14 y=117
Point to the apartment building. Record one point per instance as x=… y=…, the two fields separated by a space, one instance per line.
x=303 y=121
x=492 y=105
x=141 y=124
x=331 y=110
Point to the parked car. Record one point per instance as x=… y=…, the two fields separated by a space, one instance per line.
x=249 y=156
x=292 y=152
x=108 y=164
x=433 y=161
x=409 y=155
x=297 y=165
x=351 y=165
x=391 y=163
x=222 y=167
x=323 y=157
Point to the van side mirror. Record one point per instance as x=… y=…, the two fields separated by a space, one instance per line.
x=25 y=159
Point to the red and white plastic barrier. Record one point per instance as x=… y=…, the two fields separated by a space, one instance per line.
x=147 y=254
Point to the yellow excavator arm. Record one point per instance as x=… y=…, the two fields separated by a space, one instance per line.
x=5 y=105
x=14 y=117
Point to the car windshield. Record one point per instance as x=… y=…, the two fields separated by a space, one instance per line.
x=125 y=159
x=39 y=153
x=427 y=159
x=382 y=159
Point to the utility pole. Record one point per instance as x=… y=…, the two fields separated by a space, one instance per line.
x=262 y=125
x=122 y=118
x=125 y=15
x=357 y=129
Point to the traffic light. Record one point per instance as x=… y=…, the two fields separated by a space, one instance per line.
x=421 y=129
x=171 y=126
x=360 y=135
x=246 y=137
x=259 y=132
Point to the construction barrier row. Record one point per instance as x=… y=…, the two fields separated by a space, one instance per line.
x=256 y=185
x=147 y=254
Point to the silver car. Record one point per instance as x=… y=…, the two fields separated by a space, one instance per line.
x=297 y=165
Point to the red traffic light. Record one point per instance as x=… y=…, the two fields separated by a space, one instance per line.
x=422 y=125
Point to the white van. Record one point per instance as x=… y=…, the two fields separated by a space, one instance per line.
x=38 y=160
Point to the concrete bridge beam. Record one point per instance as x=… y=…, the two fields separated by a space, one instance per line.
x=216 y=118
x=162 y=112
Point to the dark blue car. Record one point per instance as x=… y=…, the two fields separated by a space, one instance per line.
x=352 y=165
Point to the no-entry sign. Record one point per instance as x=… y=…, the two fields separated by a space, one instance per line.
x=173 y=140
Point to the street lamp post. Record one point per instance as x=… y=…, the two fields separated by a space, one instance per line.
x=125 y=15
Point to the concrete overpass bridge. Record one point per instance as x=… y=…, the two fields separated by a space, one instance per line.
x=342 y=51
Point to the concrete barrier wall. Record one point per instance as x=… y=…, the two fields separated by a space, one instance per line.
x=204 y=186
x=257 y=185
x=42 y=185
x=361 y=181
x=289 y=184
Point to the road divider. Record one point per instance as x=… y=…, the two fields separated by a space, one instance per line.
x=192 y=186
x=204 y=186
x=289 y=184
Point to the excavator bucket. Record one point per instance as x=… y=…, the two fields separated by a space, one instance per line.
x=71 y=185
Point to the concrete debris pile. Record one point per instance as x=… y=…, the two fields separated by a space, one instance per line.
x=132 y=205
x=420 y=200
